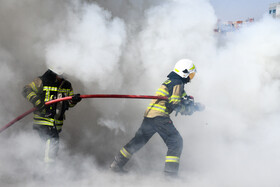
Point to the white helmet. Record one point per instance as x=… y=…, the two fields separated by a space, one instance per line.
x=184 y=68
x=57 y=69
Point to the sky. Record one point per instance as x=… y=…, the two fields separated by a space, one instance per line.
x=233 y=10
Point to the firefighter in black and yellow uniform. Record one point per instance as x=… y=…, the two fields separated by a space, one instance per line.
x=157 y=119
x=48 y=119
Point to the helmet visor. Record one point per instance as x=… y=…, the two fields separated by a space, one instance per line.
x=191 y=75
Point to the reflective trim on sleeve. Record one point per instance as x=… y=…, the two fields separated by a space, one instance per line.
x=37 y=102
x=125 y=153
x=58 y=127
x=33 y=86
x=162 y=92
x=30 y=95
x=174 y=98
x=172 y=159
x=71 y=93
x=58 y=122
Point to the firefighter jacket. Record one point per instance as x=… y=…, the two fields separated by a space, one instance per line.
x=43 y=89
x=173 y=88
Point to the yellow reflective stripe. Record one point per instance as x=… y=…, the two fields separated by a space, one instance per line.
x=49 y=88
x=47 y=96
x=33 y=86
x=43 y=121
x=174 y=100
x=192 y=68
x=162 y=92
x=184 y=94
x=37 y=117
x=176 y=70
x=58 y=122
x=58 y=127
x=153 y=108
x=158 y=108
x=125 y=153
x=157 y=105
x=64 y=90
x=172 y=159
x=51 y=121
x=175 y=96
x=30 y=95
x=37 y=122
x=37 y=102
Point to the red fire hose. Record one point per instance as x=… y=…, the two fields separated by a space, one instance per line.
x=82 y=96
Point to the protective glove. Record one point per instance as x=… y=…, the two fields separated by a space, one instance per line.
x=189 y=98
x=188 y=109
x=188 y=106
x=76 y=98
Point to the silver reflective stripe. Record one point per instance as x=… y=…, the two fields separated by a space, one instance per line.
x=47 y=158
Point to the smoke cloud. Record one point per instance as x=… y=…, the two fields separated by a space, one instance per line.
x=128 y=47
x=91 y=48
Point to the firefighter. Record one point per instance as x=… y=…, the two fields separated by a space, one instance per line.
x=48 y=119
x=157 y=120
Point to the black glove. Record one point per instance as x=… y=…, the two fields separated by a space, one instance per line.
x=76 y=98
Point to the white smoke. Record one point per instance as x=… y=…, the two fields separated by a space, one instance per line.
x=237 y=143
x=234 y=142
x=91 y=49
x=111 y=124
x=6 y=73
x=172 y=31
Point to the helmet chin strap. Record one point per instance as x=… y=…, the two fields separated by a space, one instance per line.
x=186 y=80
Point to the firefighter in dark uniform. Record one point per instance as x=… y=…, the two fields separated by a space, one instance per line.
x=48 y=120
x=157 y=120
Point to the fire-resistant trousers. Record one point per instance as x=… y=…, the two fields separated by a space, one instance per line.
x=167 y=131
x=50 y=136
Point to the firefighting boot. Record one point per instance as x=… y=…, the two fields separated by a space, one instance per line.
x=119 y=162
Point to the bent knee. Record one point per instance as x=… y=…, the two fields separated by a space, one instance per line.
x=175 y=143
